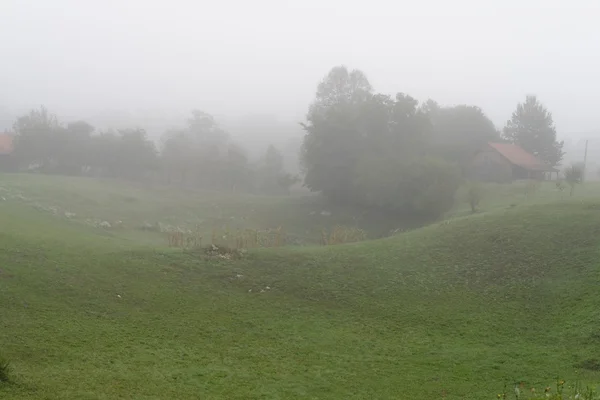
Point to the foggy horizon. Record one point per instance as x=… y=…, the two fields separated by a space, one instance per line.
x=299 y=199
x=80 y=59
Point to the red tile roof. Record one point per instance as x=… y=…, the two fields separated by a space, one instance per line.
x=6 y=143
x=517 y=156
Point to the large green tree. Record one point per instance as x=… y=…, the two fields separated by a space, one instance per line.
x=271 y=175
x=75 y=147
x=335 y=129
x=459 y=131
x=272 y=163
x=36 y=138
x=136 y=154
x=532 y=127
x=203 y=155
x=237 y=172
x=372 y=149
x=395 y=171
x=127 y=153
x=42 y=141
x=104 y=155
x=341 y=86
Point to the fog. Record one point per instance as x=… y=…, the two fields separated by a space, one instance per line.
x=151 y=151
x=237 y=58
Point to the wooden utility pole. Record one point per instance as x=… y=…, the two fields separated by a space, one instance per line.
x=584 y=162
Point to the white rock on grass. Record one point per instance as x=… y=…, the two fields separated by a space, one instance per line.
x=105 y=225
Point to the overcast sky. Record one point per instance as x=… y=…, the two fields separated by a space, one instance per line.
x=244 y=57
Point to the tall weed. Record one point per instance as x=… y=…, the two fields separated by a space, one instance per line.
x=342 y=234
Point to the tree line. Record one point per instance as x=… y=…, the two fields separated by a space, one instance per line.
x=395 y=153
x=360 y=147
x=199 y=155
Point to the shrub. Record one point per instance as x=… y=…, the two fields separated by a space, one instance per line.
x=286 y=181
x=424 y=186
x=248 y=238
x=431 y=186
x=573 y=175
x=342 y=234
x=184 y=240
x=474 y=195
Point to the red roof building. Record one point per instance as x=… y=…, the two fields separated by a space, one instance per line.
x=505 y=162
x=6 y=143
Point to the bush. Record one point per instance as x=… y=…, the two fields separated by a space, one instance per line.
x=573 y=175
x=474 y=195
x=248 y=238
x=424 y=186
x=342 y=234
x=431 y=186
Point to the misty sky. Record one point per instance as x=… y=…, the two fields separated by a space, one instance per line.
x=266 y=57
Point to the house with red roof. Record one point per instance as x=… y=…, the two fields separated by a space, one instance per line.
x=506 y=162
x=7 y=146
x=6 y=143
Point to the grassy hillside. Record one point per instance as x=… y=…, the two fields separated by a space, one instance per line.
x=521 y=192
x=459 y=307
x=130 y=207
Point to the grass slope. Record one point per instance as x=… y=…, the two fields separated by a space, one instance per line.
x=459 y=308
x=136 y=205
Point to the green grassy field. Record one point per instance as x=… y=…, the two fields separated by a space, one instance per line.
x=128 y=207
x=458 y=308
